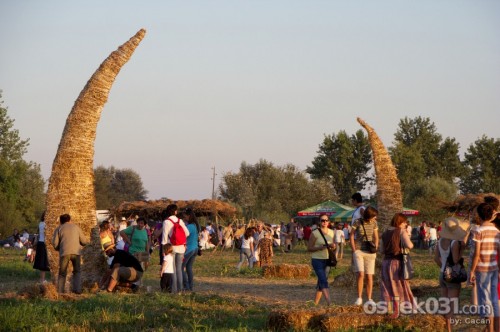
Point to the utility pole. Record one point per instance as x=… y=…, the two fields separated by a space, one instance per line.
x=213 y=183
x=214 y=209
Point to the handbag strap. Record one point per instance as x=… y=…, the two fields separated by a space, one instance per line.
x=402 y=245
x=449 y=259
x=324 y=238
x=132 y=234
x=364 y=230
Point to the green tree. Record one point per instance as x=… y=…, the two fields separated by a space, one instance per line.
x=482 y=167
x=114 y=186
x=22 y=196
x=424 y=195
x=419 y=153
x=344 y=161
x=270 y=192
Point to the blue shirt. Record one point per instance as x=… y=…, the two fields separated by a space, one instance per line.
x=192 y=240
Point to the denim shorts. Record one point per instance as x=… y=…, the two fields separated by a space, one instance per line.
x=487 y=293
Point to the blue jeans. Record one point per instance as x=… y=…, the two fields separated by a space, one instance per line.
x=245 y=253
x=322 y=270
x=177 y=276
x=487 y=293
x=187 y=269
x=63 y=271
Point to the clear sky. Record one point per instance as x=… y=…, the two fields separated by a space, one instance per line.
x=215 y=83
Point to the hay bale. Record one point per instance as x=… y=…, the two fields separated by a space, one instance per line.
x=361 y=320
x=305 y=319
x=297 y=271
x=287 y=320
x=39 y=290
x=421 y=323
x=347 y=321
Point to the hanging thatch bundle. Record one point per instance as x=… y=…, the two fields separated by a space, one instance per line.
x=153 y=209
x=389 y=197
x=71 y=184
x=464 y=204
x=295 y=271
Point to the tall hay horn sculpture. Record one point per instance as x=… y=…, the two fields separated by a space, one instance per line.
x=71 y=184
x=389 y=195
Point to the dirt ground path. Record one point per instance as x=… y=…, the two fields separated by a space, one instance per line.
x=289 y=293
x=297 y=294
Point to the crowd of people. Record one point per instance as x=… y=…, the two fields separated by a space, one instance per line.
x=180 y=239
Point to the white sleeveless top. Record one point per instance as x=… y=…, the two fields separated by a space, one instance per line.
x=444 y=254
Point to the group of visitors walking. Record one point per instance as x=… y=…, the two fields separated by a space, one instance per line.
x=394 y=244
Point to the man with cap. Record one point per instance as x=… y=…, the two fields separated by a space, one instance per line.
x=124 y=268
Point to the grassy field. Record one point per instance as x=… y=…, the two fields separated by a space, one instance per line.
x=232 y=308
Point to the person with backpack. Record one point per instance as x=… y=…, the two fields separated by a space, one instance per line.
x=175 y=232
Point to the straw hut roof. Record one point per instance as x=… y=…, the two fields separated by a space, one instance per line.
x=152 y=209
x=465 y=203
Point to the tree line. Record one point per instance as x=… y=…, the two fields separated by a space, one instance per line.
x=429 y=168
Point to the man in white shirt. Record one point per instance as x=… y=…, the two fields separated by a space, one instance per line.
x=357 y=201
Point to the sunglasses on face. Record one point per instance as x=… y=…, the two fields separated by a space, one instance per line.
x=325 y=220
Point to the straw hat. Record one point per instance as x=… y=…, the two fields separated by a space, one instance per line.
x=454 y=229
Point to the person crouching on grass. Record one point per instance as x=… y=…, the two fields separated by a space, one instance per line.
x=124 y=268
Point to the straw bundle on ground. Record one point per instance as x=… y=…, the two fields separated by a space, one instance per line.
x=71 y=184
x=389 y=197
x=298 y=271
x=39 y=290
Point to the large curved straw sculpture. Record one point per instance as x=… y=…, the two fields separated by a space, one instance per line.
x=389 y=197
x=71 y=184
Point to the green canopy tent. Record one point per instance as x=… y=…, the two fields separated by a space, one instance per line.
x=330 y=208
x=347 y=215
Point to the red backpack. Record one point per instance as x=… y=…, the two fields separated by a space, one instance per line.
x=178 y=236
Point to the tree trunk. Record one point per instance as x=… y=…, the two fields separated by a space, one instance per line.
x=71 y=184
